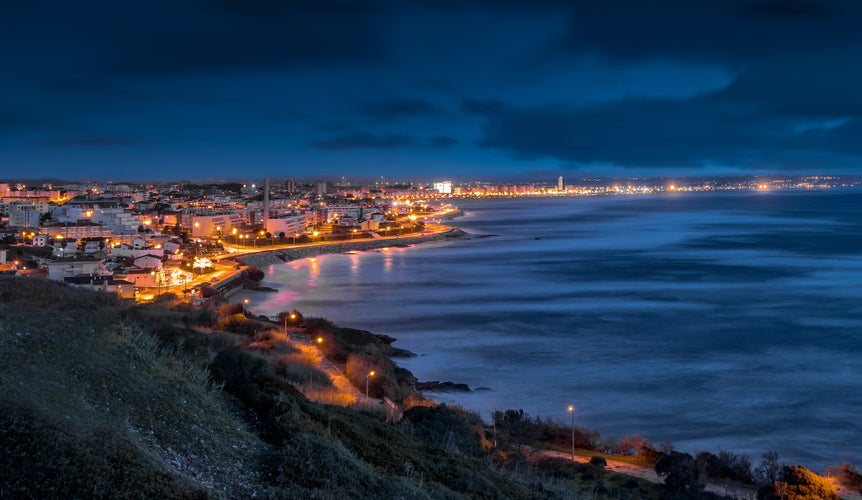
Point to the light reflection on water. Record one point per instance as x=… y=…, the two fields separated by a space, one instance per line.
x=715 y=321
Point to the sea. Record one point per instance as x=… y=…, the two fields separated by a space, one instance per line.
x=719 y=321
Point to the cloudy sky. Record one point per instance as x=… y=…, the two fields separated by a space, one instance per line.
x=472 y=89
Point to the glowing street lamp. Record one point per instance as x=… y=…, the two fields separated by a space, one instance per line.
x=370 y=374
x=572 y=411
x=294 y=237
x=245 y=309
x=354 y=234
x=314 y=235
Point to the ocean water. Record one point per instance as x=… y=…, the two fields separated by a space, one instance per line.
x=715 y=321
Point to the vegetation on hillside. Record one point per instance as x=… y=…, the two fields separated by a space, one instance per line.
x=100 y=398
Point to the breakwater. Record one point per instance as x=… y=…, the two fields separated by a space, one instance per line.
x=269 y=257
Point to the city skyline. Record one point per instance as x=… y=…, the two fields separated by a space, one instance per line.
x=429 y=90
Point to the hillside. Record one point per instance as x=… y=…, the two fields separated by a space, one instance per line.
x=102 y=399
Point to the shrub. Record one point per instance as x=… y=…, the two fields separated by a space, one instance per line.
x=358 y=369
x=293 y=318
x=846 y=474
x=237 y=323
x=235 y=367
x=447 y=428
x=798 y=483
x=219 y=341
x=680 y=474
x=725 y=465
x=297 y=373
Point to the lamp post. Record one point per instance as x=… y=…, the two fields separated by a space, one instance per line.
x=295 y=234
x=572 y=411
x=370 y=374
x=313 y=236
x=245 y=309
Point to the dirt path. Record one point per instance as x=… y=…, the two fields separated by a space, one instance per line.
x=347 y=393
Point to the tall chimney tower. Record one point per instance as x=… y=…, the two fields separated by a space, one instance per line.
x=265 y=204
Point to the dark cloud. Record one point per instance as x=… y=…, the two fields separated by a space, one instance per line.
x=365 y=140
x=398 y=108
x=92 y=141
x=736 y=32
x=13 y=119
x=215 y=37
x=301 y=36
x=625 y=83
x=694 y=133
x=443 y=142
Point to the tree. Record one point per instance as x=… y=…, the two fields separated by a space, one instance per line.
x=290 y=318
x=767 y=471
x=680 y=474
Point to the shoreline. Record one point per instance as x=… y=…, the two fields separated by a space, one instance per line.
x=281 y=255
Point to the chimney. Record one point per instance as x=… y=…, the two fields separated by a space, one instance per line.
x=265 y=204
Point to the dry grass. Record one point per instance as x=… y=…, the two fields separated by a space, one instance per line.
x=324 y=396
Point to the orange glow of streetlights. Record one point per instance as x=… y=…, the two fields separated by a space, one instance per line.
x=572 y=411
x=367 y=377
x=319 y=340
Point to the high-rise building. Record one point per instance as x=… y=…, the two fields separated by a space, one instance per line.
x=443 y=187
x=561 y=186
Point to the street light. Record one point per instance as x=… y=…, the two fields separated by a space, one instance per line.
x=313 y=236
x=354 y=234
x=294 y=238
x=572 y=411
x=370 y=374
x=245 y=310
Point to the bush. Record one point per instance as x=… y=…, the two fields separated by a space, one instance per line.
x=725 y=465
x=798 y=483
x=290 y=318
x=296 y=369
x=303 y=374
x=235 y=367
x=447 y=428
x=680 y=474
x=846 y=474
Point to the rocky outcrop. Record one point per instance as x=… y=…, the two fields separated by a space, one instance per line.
x=437 y=386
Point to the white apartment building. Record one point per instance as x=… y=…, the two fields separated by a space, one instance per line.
x=287 y=224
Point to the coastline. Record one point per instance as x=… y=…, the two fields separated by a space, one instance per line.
x=269 y=257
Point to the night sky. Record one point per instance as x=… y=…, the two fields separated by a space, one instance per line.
x=238 y=89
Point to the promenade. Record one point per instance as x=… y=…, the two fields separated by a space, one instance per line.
x=286 y=253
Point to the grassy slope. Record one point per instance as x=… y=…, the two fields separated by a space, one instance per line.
x=91 y=405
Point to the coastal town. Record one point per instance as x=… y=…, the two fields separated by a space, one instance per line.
x=143 y=240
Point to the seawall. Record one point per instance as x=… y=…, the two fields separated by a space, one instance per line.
x=267 y=257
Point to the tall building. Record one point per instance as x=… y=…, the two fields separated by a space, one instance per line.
x=290 y=186
x=443 y=187
x=561 y=186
